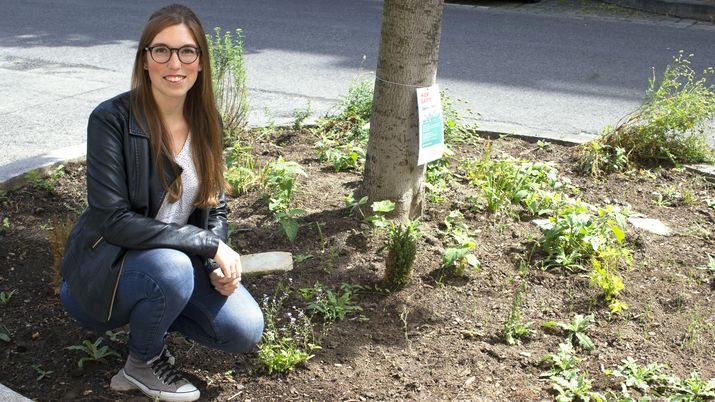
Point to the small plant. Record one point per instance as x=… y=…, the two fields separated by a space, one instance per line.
x=605 y=277
x=640 y=377
x=402 y=249
x=228 y=74
x=280 y=185
x=114 y=335
x=514 y=329
x=287 y=340
x=437 y=178
x=94 y=352
x=242 y=173
x=332 y=306
x=457 y=259
x=40 y=372
x=354 y=205
x=599 y=159
x=667 y=196
x=563 y=364
x=691 y=389
x=576 y=329
x=6 y=223
x=380 y=208
x=300 y=115
x=5 y=297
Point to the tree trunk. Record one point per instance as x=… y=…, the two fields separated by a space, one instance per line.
x=409 y=44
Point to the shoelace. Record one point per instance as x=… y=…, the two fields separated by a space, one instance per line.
x=164 y=369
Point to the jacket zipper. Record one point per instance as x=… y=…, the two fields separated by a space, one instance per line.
x=97 y=242
x=116 y=285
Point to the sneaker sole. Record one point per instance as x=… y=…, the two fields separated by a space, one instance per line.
x=163 y=396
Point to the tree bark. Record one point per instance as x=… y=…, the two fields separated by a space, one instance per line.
x=409 y=44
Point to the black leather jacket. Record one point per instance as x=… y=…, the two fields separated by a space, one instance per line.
x=124 y=193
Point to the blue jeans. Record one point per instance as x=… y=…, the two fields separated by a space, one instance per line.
x=164 y=290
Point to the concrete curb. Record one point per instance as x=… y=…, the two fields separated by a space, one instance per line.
x=8 y=395
x=14 y=175
x=692 y=9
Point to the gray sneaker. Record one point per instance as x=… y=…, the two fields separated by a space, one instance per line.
x=159 y=378
x=120 y=383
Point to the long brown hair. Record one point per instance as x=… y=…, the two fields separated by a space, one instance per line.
x=199 y=111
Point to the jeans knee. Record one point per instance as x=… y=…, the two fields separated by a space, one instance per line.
x=246 y=332
x=171 y=270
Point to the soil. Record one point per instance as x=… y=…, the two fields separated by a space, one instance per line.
x=435 y=340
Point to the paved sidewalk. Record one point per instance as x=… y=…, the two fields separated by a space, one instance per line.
x=703 y=10
x=8 y=395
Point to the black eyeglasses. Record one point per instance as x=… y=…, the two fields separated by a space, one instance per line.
x=162 y=54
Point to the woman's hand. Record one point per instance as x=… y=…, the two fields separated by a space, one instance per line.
x=229 y=261
x=225 y=286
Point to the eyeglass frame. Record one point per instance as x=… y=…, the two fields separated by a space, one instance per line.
x=171 y=51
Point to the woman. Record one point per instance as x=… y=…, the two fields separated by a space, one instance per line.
x=150 y=249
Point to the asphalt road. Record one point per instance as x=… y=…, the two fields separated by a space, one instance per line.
x=532 y=69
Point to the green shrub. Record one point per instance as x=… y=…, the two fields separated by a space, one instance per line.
x=670 y=124
x=228 y=74
x=402 y=249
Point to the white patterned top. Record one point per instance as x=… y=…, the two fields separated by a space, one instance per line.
x=179 y=211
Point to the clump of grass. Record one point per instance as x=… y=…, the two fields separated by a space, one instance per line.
x=668 y=127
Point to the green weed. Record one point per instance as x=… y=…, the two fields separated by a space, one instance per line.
x=242 y=173
x=5 y=297
x=576 y=330
x=94 y=352
x=332 y=306
x=514 y=330
x=669 y=125
x=40 y=372
x=287 y=341
x=300 y=115
x=640 y=377
x=691 y=389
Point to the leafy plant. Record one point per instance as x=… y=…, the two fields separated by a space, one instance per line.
x=576 y=234
x=670 y=123
x=332 y=306
x=640 y=377
x=40 y=372
x=380 y=208
x=563 y=364
x=691 y=389
x=605 y=277
x=280 y=185
x=576 y=329
x=94 y=352
x=402 y=249
x=354 y=205
x=5 y=297
x=228 y=74
x=285 y=345
x=6 y=223
x=599 y=159
x=456 y=260
x=114 y=335
x=437 y=178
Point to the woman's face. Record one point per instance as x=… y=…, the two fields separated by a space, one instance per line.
x=171 y=81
